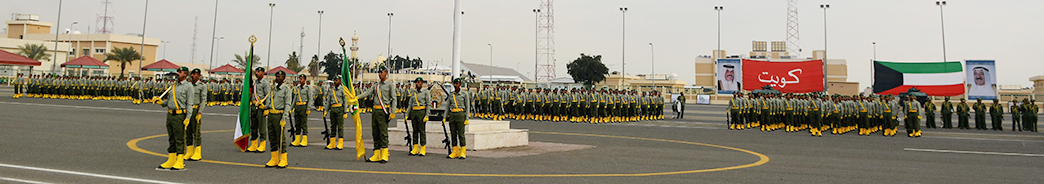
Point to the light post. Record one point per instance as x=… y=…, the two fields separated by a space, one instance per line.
x=943 y=25
x=718 y=9
x=623 y=45
x=54 y=63
x=70 y=39
x=652 y=58
x=143 y=21
x=218 y=48
x=875 y=50
x=165 y=49
x=271 y=11
x=536 y=43
x=213 y=31
x=390 y=14
x=490 y=62
x=318 y=43
x=825 y=85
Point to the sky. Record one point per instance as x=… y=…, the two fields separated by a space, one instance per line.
x=905 y=30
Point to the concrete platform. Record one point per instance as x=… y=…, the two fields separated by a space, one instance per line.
x=480 y=134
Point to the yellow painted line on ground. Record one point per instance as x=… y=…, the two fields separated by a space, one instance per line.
x=133 y=145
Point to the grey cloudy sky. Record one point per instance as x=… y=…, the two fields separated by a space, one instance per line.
x=905 y=30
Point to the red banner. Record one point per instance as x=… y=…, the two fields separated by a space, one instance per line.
x=787 y=77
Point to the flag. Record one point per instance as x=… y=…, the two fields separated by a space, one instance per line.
x=242 y=134
x=787 y=77
x=349 y=92
x=932 y=78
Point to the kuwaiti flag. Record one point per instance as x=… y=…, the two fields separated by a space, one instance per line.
x=932 y=78
x=241 y=136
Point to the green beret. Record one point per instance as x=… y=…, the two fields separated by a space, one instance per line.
x=419 y=79
x=337 y=77
x=183 y=69
x=261 y=69
x=457 y=80
x=195 y=71
x=280 y=72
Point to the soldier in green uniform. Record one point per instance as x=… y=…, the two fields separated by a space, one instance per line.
x=383 y=112
x=980 y=114
x=1015 y=109
x=258 y=126
x=947 y=113
x=1029 y=115
x=892 y=115
x=199 y=101
x=420 y=107
x=177 y=103
x=280 y=102
x=997 y=115
x=815 y=116
x=913 y=117
x=334 y=109
x=929 y=114
x=862 y=115
x=962 y=115
x=457 y=115
x=735 y=106
x=302 y=97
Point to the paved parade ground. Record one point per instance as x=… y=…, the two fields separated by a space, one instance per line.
x=71 y=141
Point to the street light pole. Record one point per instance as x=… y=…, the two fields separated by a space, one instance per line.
x=218 y=48
x=213 y=32
x=943 y=25
x=54 y=63
x=70 y=40
x=536 y=43
x=143 y=21
x=825 y=81
x=652 y=58
x=490 y=62
x=386 y=61
x=623 y=46
x=165 y=49
x=271 y=14
x=318 y=52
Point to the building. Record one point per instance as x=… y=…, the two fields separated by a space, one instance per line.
x=16 y=30
x=28 y=27
x=1038 y=86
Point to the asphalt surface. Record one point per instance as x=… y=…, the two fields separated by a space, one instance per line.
x=71 y=141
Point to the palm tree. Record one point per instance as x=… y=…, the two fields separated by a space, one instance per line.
x=241 y=61
x=293 y=63
x=34 y=51
x=123 y=56
x=313 y=67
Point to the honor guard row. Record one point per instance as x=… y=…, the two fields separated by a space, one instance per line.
x=135 y=89
x=566 y=105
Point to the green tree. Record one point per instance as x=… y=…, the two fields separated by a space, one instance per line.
x=293 y=63
x=313 y=67
x=332 y=64
x=241 y=61
x=34 y=51
x=123 y=56
x=587 y=69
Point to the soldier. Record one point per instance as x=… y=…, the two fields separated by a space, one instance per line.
x=18 y=86
x=929 y=114
x=815 y=116
x=302 y=104
x=980 y=114
x=997 y=115
x=419 y=103
x=892 y=115
x=1029 y=115
x=334 y=109
x=962 y=115
x=383 y=112
x=199 y=102
x=177 y=103
x=457 y=116
x=258 y=126
x=1016 y=116
x=947 y=113
x=913 y=117
x=280 y=102
x=735 y=106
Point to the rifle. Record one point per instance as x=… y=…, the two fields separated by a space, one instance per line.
x=405 y=123
x=445 y=134
x=292 y=131
x=326 y=132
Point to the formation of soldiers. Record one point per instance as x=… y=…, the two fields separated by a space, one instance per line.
x=865 y=114
x=576 y=105
x=221 y=92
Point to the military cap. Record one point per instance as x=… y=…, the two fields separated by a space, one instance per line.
x=196 y=71
x=260 y=69
x=280 y=72
x=183 y=69
x=419 y=79
x=458 y=80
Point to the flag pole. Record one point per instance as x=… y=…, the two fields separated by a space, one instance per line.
x=349 y=92
x=243 y=128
